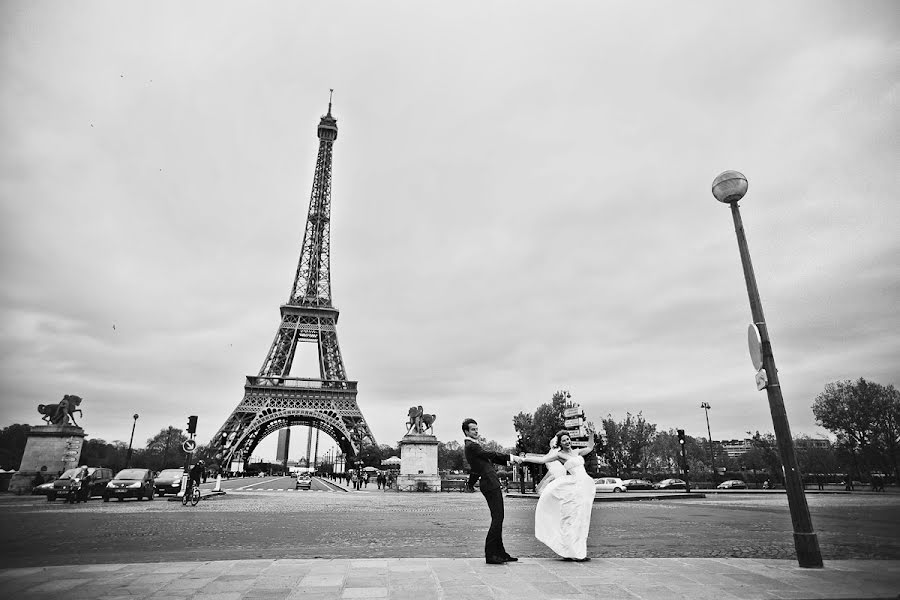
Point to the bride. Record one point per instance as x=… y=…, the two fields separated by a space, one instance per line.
x=563 y=514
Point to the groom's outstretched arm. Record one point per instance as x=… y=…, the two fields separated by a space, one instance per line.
x=495 y=457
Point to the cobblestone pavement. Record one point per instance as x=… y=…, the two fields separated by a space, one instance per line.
x=374 y=524
x=456 y=579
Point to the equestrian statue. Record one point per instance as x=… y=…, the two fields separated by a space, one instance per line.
x=62 y=413
x=418 y=421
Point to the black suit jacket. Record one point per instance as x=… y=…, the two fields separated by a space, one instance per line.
x=481 y=462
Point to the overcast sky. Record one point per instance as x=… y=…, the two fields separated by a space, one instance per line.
x=521 y=204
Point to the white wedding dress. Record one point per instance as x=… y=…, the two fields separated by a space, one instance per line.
x=563 y=513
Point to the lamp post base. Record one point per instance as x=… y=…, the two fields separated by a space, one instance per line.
x=807 y=547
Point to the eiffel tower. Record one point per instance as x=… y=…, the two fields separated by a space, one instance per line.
x=273 y=400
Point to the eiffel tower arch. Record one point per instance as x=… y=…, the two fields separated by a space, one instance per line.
x=273 y=399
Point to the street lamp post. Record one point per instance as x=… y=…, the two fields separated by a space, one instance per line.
x=128 y=456
x=728 y=188
x=712 y=457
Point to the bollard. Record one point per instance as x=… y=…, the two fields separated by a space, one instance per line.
x=218 y=487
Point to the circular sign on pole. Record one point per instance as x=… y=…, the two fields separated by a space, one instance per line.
x=189 y=445
x=755 y=344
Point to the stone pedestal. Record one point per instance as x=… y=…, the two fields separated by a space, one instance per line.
x=50 y=450
x=419 y=464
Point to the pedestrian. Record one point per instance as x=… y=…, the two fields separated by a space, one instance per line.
x=482 y=461
x=366 y=480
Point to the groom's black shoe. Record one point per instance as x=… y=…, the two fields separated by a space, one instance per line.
x=509 y=558
x=494 y=560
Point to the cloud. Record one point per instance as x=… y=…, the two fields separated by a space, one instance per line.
x=520 y=204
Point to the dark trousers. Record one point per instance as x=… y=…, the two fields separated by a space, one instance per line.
x=493 y=544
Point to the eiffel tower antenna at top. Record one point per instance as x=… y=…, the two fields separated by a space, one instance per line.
x=330 y=94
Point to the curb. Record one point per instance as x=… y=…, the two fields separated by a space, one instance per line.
x=626 y=497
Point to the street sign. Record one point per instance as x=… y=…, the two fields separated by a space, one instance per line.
x=575 y=411
x=577 y=432
x=572 y=423
x=762 y=380
x=189 y=445
x=755 y=345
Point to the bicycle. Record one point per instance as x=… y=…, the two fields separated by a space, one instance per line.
x=192 y=495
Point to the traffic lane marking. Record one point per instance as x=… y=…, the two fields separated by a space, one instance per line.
x=265 y=481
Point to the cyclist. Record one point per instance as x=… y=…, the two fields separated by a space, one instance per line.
x=194 y=476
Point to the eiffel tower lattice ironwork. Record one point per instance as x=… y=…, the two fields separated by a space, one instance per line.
x=273 y=400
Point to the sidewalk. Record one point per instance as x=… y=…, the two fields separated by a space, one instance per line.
x=458 y=578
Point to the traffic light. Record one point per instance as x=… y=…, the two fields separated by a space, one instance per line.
x=192 y=424
x=681 y=436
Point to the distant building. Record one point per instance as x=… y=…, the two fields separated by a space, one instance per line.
x=808 y=443
x=735 y=448
x=284 y=444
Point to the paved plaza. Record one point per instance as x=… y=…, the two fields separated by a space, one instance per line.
x=261 y=541
x=457 y=578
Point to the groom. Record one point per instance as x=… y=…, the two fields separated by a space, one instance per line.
x=480 y=461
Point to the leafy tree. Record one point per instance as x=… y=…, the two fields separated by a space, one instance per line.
x=614 y=450
x=865 y=417
x=535 y=431
x=163 y=450
x=12 y=445
x=100 y=453
x=815 y=460
x=763 y=456
x=628 y=442
x=451 y=456
x=523 y=423
x=665 y=452
x=371 y=455
x=887 y=429
x=207 y=453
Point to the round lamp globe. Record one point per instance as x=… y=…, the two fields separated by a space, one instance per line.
x=729 y=187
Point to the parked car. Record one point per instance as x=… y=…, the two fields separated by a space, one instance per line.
x=130 y=483
x=670 y=484
x=43 y=489
x=609 y=484
x=732 y=484
x=168 y=481
x=97 y=479
x=638 y=484
x=304 y=482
